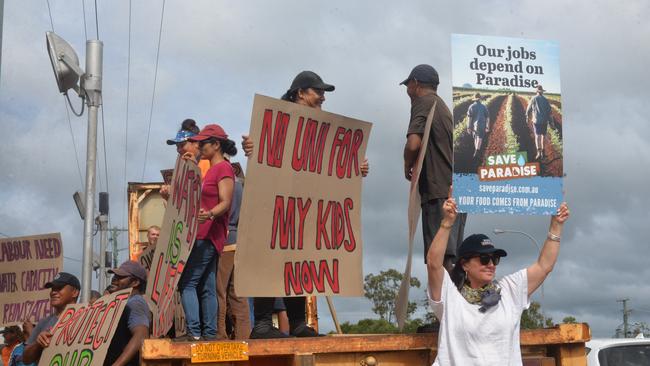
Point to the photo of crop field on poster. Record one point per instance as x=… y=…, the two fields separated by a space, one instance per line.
x=507 y=111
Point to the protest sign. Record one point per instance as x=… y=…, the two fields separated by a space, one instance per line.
x=508 y=145
x=177 y=234
x=84 y=332
x=27 y=263
x=300 y=223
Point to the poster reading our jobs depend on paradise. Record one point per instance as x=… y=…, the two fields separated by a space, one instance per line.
x=508 y=141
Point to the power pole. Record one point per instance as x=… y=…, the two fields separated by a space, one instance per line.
x=115 y=231
x=626 y=313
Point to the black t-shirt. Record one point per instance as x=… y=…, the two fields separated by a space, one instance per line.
x=435 y=177
x=135 y=314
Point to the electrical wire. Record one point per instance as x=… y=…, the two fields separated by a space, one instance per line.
x=72 y=108
x=50 y=12
x=83 y=8
x=96 y=20
x=153 y=94
x=105 y=159
x=126 y=128
x=74 y=146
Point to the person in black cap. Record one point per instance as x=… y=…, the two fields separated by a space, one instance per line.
x=64 y=290
x=307 y=89
x=133 y=326
x=480 y=316
x=435 y=177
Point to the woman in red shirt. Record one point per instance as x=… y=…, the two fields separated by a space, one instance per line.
x=197 y=284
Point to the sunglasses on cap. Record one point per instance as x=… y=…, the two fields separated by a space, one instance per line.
x=486 y=258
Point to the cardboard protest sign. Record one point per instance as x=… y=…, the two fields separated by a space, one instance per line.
x=84 y=332
x=300 y=222
x=508 y=145
x=27 y=263
x=413 y=216
x=145 y=259
x=177 y=234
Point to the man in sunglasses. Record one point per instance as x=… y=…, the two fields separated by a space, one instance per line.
x=64 y=290
x=133 y=326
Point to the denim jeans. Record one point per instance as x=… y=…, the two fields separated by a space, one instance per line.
x=198 y=290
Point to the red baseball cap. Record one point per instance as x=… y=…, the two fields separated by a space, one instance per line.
x=210 y=131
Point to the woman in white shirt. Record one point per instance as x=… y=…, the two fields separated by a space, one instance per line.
x=480 y=316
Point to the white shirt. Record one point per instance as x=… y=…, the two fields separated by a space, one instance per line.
x=468 y=337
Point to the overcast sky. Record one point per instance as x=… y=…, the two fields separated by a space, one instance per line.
x=215 y=55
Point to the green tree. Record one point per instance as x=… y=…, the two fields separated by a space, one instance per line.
x=382 y=290
x=569 y=320
x=379 y=326
x=532 y=318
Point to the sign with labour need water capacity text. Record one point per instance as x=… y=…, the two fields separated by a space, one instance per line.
x=300 y=223
x=508 y=144
x=84 y=332
x=177 y=234
x=27 y=263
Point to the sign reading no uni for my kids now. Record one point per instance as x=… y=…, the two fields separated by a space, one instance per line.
x=508 y=142
x=177 y=234
x=26 y=264
x=300 y=223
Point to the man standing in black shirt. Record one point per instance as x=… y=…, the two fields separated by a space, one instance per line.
x=435 y=177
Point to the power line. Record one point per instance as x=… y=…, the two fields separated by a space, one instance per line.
x=83 y=8
x=67 y=112
x=153 y=94
x=126 y=128
x=74 y=145
x=104 y=148
x=96 y=20
x=50 y=12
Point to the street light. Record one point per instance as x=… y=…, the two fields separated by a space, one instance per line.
x=505 y=231
x=65 y=64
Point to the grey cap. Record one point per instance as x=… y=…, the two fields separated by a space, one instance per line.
x=423 y=73
x=130 y=269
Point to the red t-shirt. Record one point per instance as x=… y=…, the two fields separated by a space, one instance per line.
x=215 y=230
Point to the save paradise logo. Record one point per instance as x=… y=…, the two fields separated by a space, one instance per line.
x=508 y=166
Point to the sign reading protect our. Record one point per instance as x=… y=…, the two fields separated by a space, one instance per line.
x=84 y=332
x=508 y=143
x=26 y=264
x=300 y=224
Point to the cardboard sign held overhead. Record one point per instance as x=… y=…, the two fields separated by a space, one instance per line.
x=83 y=333
x=177 y=234
x=26 y=264
x=300 y=222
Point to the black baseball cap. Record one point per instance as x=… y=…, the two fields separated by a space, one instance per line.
x=478 y=244
x=64 y=278
x=309 y=79
x=423 y=73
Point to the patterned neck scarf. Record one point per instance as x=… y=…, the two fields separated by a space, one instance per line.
x=486 y=296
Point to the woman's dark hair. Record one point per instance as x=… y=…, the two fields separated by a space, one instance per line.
x=290 y=95
x=228 y=146
x=190 y=125
x=458 y=276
